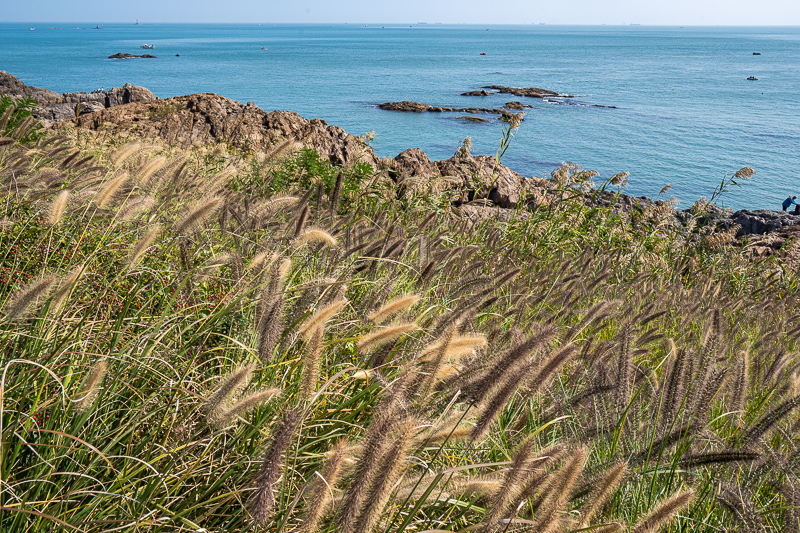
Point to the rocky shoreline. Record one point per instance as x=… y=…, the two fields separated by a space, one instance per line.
x=55 y=107
x=482 y=187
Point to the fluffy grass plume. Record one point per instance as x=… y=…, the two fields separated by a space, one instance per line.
x=133 y=208
x=458 y=347
x=141 y=247
x=226 y=415
x=263 y=498
x=148 y=169
x=664 y=512
x=321 y=494
x=558 y=491
x=65 y=286
x=106 y=194
x=603 y=490
x=124 y=152
x=383 y=336
x=197 y=216
x=21 y=304
x=56 y=208
x=392 y=465
x=393 y=307
x=320 y=318
x=91 y=385
x=228 y=387
x=316 y=235
x=310 y=361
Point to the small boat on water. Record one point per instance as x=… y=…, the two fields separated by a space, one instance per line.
x=752 y=78
x=756 y=53
x=146 y=46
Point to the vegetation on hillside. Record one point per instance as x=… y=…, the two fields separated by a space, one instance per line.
x=200 y=340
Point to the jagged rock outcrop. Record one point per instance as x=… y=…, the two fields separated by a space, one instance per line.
x=476 y=93
x=207 y=117
x=54 y=107
x=763 y=221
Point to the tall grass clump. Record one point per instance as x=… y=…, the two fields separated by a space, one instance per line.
x=280 y=344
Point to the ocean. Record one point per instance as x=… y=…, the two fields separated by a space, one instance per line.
x=681 y=110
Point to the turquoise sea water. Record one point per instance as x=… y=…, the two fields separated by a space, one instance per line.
x=685 y=112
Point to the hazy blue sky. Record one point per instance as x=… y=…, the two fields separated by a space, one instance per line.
x=668 y=12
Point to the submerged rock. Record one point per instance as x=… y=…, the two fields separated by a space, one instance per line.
x=470 y=118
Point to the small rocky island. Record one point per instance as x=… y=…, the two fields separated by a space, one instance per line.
x=529 y=92
x=121 y=55
x=417 y=107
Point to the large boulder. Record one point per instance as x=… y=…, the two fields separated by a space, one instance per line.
x=128 y=94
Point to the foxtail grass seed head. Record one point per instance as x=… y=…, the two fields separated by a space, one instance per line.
x=148 y=169
x=227 y=388
x=56 y=209
x=263 y=498
x=320 y=318
x=664 y=512
x=383 y=336
x=316 y=235
x=261 y=262
x=197 y=216
x=21 y=304
x=106 y=194
x=65 y=285
x=311 y=359
x=603 y=490
x=91 y=386
x=393 y=307
x=275 y=204
x=391 y=468
x=124 y=152
x=142 y=246
x=322 y=492
x=744 y=173
x=228 y=415
x=134 y=208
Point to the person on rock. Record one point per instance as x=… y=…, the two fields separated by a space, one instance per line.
x=789 y=201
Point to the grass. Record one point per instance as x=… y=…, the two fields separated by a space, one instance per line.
x=219 y=341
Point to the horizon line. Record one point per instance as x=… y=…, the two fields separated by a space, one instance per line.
x=418 y=23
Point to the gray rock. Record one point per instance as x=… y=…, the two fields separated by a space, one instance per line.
x=762 y=221
x=54 y=107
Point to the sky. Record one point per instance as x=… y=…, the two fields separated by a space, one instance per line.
x=645 y=12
